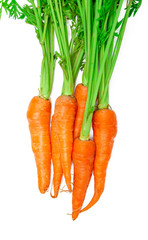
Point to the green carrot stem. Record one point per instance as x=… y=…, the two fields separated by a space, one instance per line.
x=105 y=100
x=62 y=37
x=89 y=10
x=72 y=40
x=44 y=83
x=106 y=51
x=52 y=56
x=45 y=76
x=102 y=84
x=87 y=119
x=58 y=35
x=66 y=90
x=38 y=19
x=48 y=64
x=117 y=49
x=94 y=43
x=50 y=52
x=35 y=14
x=39 y=7
x=45 y=30
x=66 y=46
x=85 y=27
x=77 y=63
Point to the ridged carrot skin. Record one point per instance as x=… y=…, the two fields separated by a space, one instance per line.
x=105 y=130
x=38 y=115
x=81 y=96
x=56 y=159
x=83 y=158
x=64 y=115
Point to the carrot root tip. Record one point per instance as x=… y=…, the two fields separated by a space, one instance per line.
x=75 y=215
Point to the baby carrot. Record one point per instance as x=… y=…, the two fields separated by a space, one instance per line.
x=38 y=116
x=56 y=159
x=64 y=116
x=83 y=157
x=105 y=130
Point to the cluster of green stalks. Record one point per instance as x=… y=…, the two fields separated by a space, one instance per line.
x=96 y=35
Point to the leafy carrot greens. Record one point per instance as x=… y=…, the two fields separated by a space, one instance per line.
x=38 y=16
x=106 y=38
x=71 y=51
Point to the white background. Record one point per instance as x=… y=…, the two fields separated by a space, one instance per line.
x=122 y=212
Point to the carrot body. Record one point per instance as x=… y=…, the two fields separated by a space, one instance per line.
x=81 y=96
x=64 y=115
x=56 y=158
x=83 y=157
x=38 y=116
x=105 y=130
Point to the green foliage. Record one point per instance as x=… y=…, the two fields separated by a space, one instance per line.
x=65 y=14
x=12 y=8
x=105 y=12
x=135 y=7
x=39 y=17
x=107 y=35
x=29 y=15
x=15 y=11
x=70 y=9
x=1 y=8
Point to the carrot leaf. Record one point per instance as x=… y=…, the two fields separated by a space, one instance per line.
x=135 y=7
x=38 y=15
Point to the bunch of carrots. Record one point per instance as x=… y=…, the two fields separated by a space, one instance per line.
x=89 y=35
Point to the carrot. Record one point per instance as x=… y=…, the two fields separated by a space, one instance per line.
x=81 y=96
x=105 y=130
x=38 y=116
x=64 y=115
x=70 y=56
x=56 y=159
x=83 y=157
x=39 y=110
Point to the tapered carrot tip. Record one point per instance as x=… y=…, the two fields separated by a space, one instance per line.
x=43 y=190
x=43 y=169
x=69 y=187
x=56 y=190
x=38 y=116
x=56 y=158
x=83 y=157
x=75 y=215
x=43 y=178
x=105 y=130
x=55 y=194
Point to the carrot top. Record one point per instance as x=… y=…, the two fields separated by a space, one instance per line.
x=70 y=50
x=106 y=29
x=38 y=15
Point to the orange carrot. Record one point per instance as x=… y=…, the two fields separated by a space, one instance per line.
x=105 y=130
x=83 y=157
x=81 y=96
x=56 y=159
x=64 y=116
x=38 y=115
